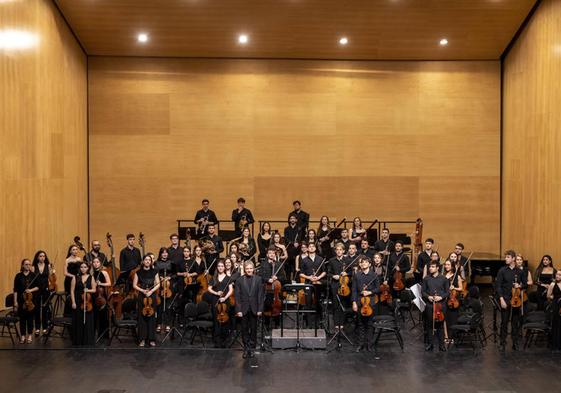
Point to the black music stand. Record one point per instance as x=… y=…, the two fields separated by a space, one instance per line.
x=339 y=333
x=263 y=345
x=294 y=288
x=173 y=329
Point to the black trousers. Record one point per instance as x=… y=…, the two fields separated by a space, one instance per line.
x=249 y=330
x=25 y=321
x=42 y=314
x=365 y=329
x=512 y=315
x=429 y=324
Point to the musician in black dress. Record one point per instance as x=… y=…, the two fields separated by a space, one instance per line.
x=42 y=267
x=164 y=267
x=357 y=232
x=146 y=281
x=250 y=298
x=25 y=284
x=423 y=259
x=71 y=269
x=101 y=311
x=264 y=239
x=554 y=295
x=508 y=278
x=242 y=217
x=303 y=218
x=204 y=218
x=324 y=238
x=435 y=291
x=451 y=317
x=220 y=288
x=272 y=269
x=365 y=286
x=313 y=270
x=82 y=292
x=337 y=268
x=544 y=275
x=246 y=245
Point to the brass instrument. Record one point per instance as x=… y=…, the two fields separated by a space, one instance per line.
x=207 y=245
x=243 y=248
x=243 y=222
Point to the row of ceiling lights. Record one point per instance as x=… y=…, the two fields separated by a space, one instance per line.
x=244 y=39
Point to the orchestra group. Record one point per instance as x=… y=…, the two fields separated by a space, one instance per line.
x=243 y=282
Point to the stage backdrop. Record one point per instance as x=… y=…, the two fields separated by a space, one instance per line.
x=387 y=140
x=532 y=138
x=43 y=133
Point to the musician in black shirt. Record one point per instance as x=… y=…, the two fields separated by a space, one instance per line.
x=175 y=251
x=463 y=262
x=508 y=278
x=338 y=267
x=384 y=245
x=204 y=218
x=302 y=218
x=313 y=271
x=272 y=269
x=25 y=284
x=423 y=259
x=366 y=250
x=435 y=291
x=96 y=253
x=399 y=262
x=344 y=240
x=249 y=293
x=129 y=257
x=242 y=217
x=293 y=237
x=365 y=285
x=211 y=255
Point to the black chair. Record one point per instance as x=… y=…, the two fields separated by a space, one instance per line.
x=128 y=322
x=196 y=319
x=9 y=319
x=536 y=324
x=405 y=306
x=468 y=330
x=384 y=324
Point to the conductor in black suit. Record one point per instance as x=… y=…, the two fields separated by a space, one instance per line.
x=250 y=298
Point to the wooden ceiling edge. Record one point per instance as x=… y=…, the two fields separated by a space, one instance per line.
x=78 y=41
x=520 y=30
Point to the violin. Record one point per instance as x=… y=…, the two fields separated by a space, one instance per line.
x=385 y=294
x=365 y=306
x=222 y=312
x=166 y=289
x=52 y=279
x=28 y=301
x=86 y=303
x=516 y=298
x=398 y=283
x=147 y=309
x=188 y=280
x=453 y=302
x=344 y=289
x=116 y=297
x=100 y=300
x=438 y=314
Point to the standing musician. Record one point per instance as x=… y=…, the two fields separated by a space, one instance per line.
x=384 y=245
x=365 y=249
x=510 y=281
x=451 y=273
x=435 y=290
x=276 y=243
x=357 y=232
x=71 y=269
x=82 y=290
x=242 y=217
x=423 y=259
x=365 y=286
x=246 y=245
x=544 y=274
x=311 y=237
x=339 y=271
x=42 y=268
x=220 y=288
x=272 y=269
x=323 y=233
x=175 y=251
x=398 y=265
x=353 y=253
x=292 y=239
x=462 y=261
x=26 y=286
x=146 y=281
x=302 y=218
x=264 y=239
x=554 y=295
x=249 y=305
x=383 y=270
x=191 y=267
x=313 y=270
x=344 y=240
x=129 y=258
x=300 y=258
x=213 y=253
x=103 y=286
x=95 y=252
x=164 y=267
x=204 y=218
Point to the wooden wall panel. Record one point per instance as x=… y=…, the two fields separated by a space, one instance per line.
x=392 y=140
x=43 y=153
x=532 y=138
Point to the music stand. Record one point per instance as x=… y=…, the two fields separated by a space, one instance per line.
x=339 y=333
x=294 y=288
x=173 y=328
x=263 y=345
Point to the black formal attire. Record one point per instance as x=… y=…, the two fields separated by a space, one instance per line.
x=381 y=245
x=101 y=314
x=191 y=290
x=346 y=243
x=367 y=252
x=432 y=286
x=423 y=259
x=303 y=219
x=237 y=217
x=335 y=267
x=83 y=329
x=90 y=257
x=129 y=259
x=292 y=235
x=263 y=245
x=164 y=269
x=402 y=261
x=314 y=266
x=463 y=262
x=72 y=268
x=556 y=319
x=21 y=283
x=211 y=217
x=175 y=254
x=146 y=325
x=504 y=282
x=221 y=330
x=266 y=273
x=251 y=249
x=42 y=312
x=541 y=292
x=249 y=301
x=324 y=247
x=452 y=314
x=369 y=282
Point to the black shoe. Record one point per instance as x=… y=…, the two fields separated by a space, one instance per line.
x=245 y=354
x=429 y=347
x=442 y=348
x=359 y=348
x=369 y=348
x=515 y=346
x=251 y=354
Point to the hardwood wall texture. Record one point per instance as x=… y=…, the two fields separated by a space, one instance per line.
x=43 y=149
x=531 y=203
x=392 y=140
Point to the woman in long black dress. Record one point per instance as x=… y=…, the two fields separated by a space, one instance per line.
x=146 y=281
x=71 y=269
x=554 y=294
x=164 y=268
x=324 y=229
x=220 y=289
x=451 y=316
x=544 y=276
x=264 y=239
x=25 y=284
x=83 y=329
x=101 y=314
x=41 y=267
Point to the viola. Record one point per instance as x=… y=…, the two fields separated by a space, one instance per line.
x=344 y=289
x=28 y=301
x=516 y=299
x=222 y=312
x=398 y=283
x=166 y=289
x=52 y=279
x=385 y=294
x=365 y=306
x=453 y=302
x=147 y=309
x=100 y=300
x=438 y=314
x=202 y=280
x=86 y=302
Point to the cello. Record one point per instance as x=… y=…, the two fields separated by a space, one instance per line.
x=115 y=291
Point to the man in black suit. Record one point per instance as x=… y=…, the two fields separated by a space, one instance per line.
x=250 y=298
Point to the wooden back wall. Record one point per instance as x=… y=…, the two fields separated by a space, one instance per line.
x=387 y=140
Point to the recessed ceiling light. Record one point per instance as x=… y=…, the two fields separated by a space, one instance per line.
x=443 y=42
x=142 y=37
x=344 y=41
x=243 y=39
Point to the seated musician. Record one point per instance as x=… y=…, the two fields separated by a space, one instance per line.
x=336 y=269
x=365 y=286
x=435 y=291
x=272 y=269
x=313 y=271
